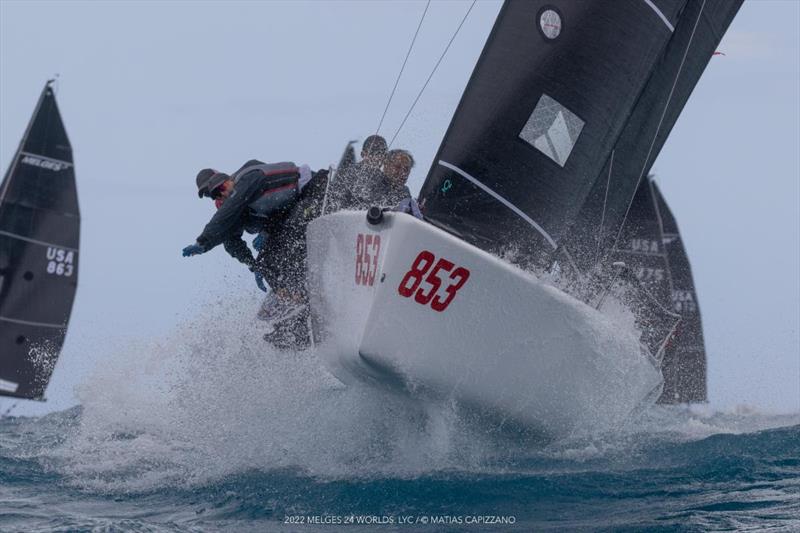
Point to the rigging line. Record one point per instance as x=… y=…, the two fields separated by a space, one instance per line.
x=603 y=216
x=660 y=121
x=432 y=72
x=397 y=81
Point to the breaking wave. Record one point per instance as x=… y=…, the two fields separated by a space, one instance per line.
x=209 y=427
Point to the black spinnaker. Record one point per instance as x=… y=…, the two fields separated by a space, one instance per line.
x=565 y=97
x=39 y=240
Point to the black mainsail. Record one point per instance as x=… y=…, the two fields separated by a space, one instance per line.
x=650 y=246
x=39 y=240
x=700 y=27
x=564 y=95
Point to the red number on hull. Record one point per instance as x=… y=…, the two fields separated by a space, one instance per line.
x=410 y=284
x=368 y=248
x=418 y=268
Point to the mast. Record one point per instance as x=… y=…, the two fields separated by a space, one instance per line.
x=39 y=241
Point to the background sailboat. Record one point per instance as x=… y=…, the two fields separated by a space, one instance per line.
x=39 y=242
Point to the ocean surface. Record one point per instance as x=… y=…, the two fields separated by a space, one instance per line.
x=204 y=431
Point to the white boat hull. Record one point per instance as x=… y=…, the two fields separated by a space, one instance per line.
x=500 y=341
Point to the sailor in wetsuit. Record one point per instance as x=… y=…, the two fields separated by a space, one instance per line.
x=397 y=168
x=276 y=201
x=360 y=185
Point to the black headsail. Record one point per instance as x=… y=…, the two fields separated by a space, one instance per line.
x=39 y=240
x=561 y=88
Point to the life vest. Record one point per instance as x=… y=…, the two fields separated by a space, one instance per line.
x=280 y=190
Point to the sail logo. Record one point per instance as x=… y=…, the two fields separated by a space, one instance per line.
x=49 y=164
x=550 y=24
x=60 y=262
x=552 y=129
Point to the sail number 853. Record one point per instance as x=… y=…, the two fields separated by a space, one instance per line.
x=426 y=269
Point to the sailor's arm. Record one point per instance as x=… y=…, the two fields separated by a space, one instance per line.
x=238 y=249
x=227 y=220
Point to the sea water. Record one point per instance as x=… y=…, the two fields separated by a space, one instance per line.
x=207 y=429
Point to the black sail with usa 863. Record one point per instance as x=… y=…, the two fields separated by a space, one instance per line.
x=39 y=242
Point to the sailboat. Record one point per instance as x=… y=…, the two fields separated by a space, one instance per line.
x=567 y=108
x=39 y=242
x=652 y=249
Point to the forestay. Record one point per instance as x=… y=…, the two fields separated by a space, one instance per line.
x=39 y=240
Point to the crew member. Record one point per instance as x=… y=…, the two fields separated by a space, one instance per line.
x=253 y=197
x=360 y=185
x=397 y=168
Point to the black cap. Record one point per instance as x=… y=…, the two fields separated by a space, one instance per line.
x=209 y=179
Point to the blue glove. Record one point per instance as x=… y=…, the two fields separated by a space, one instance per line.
x=259 y=242
x=260 y=281
x=193 y=249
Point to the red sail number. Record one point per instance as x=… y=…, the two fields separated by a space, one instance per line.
x=410 y=284
x=368 y=248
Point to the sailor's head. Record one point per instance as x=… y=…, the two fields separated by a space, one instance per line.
x=398 y=166
x=214 y=184
x=373 y=151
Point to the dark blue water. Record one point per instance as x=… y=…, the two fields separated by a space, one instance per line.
x=206 y=430
x=671 y=470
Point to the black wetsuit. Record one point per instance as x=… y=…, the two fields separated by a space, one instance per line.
x=234 y=216
x=283 y=259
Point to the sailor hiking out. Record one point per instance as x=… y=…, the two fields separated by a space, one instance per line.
x=275 y=201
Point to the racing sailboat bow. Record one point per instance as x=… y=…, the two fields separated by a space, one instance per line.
x=39 y=241
x=563 y=116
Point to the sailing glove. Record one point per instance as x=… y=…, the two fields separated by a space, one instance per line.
x=193 y=249
x=259 y=242
x=260 y=281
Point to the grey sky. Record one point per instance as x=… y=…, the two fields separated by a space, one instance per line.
x=152 y=91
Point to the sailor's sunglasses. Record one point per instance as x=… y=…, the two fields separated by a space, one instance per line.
x=215 y=193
